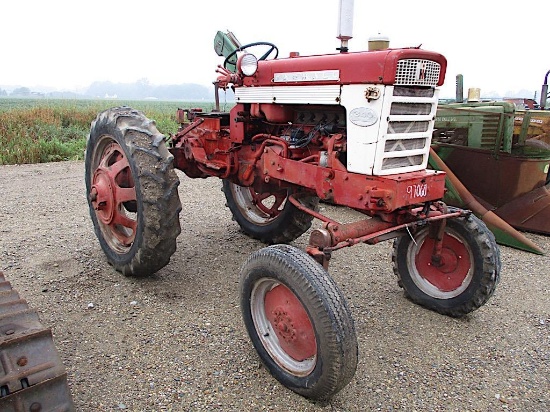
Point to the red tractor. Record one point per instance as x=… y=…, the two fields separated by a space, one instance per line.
x=349 y=128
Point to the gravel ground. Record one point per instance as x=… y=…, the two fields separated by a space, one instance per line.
x=176 y=341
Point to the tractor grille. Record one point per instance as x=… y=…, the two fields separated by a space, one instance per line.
x=394 y=163
x=474 y=126
x=409 y=126
x=411 y=108
x=404 y=144
x=417 y=72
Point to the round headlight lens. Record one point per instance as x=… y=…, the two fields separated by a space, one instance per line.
x=248 y=64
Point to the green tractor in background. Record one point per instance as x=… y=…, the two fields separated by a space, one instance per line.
x=497 y=157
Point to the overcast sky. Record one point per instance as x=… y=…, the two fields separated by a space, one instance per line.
x=498 y=46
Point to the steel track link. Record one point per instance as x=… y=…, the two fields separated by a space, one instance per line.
x=32 y=375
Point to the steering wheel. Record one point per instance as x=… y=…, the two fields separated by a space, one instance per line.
x=271 y=46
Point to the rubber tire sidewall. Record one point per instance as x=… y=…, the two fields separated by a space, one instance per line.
x=466 y=301
x=310 y=386
x=96 y=136
x=282 y=229
x=156 y=190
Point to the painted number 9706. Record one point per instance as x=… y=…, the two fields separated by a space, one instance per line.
x=415 y=191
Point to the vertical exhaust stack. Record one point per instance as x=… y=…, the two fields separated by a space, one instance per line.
x=345 y=24
x=459 y=97
x=544 y=91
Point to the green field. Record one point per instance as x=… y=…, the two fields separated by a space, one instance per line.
x=51 y=130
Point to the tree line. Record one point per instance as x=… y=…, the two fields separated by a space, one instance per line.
x=138 y=90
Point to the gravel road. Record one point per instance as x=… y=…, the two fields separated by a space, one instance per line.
x=176 y=342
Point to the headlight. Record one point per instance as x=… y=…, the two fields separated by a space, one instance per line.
x=247 y=64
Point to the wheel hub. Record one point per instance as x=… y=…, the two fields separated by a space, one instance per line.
x=291 y=323
x=268 y=203
x=283 y=325
x=102 y=196
x=113 y=196
x=451 y=268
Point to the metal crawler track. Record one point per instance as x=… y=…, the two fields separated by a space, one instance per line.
x=32 y=375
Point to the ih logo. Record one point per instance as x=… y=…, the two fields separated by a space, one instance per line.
x=421 y=71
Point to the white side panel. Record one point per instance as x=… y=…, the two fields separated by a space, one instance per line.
x=361 y=139
x=289 y=94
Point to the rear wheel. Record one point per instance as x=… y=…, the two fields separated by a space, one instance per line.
x=298 y=321
x=463 y=280
x=132 y=191
x=268 y=217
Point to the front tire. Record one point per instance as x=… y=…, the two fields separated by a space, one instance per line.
x=298 y=321
x=132 y=191
x=464 y=280
x=268 y=217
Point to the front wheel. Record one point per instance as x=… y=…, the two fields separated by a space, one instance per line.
x=463 y=280
x=132 y=191
x=298 y=321
x=268 y=217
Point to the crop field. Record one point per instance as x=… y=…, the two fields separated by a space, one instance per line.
x=51 y=130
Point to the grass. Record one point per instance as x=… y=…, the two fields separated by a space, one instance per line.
x=42 y=130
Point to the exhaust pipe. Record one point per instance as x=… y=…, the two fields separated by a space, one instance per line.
x=345 y=24
x=544 y=92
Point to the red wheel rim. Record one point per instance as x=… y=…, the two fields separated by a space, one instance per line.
x=449 y=274
x=291 y=323
x=113 y=195
x=270 y=209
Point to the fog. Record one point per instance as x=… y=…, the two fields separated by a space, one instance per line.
x=68 y=45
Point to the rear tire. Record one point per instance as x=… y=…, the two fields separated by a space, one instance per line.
x=468 y=276
x=268 y=217
x=298 y=321
x=132 y=191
